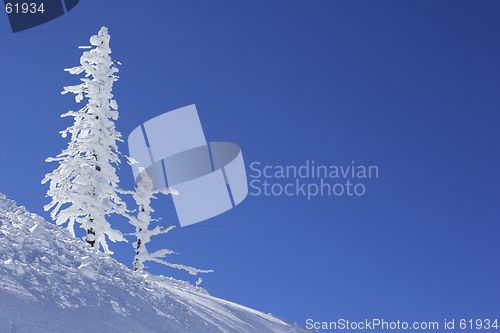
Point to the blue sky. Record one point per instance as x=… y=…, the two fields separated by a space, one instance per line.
x=409 y=87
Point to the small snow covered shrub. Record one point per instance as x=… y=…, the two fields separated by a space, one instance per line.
x=143 y=194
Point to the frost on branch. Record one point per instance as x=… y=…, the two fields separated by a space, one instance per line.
x=86 y=178
x=143 y=195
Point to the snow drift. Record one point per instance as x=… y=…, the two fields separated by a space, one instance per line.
x=53 y=282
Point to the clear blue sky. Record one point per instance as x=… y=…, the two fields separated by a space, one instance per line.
x=412 y=87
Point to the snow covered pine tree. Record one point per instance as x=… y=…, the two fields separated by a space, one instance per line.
x=86 y=178
x=143 y=195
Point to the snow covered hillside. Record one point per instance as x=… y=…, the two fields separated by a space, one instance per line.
x=52 y=282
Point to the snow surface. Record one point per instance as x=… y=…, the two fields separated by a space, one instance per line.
x=53 y=282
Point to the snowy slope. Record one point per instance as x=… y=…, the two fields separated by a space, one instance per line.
x=52 y=282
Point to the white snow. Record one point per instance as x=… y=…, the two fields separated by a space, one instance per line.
x=53 y=282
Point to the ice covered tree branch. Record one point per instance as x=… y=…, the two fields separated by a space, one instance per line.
x=86 y=178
